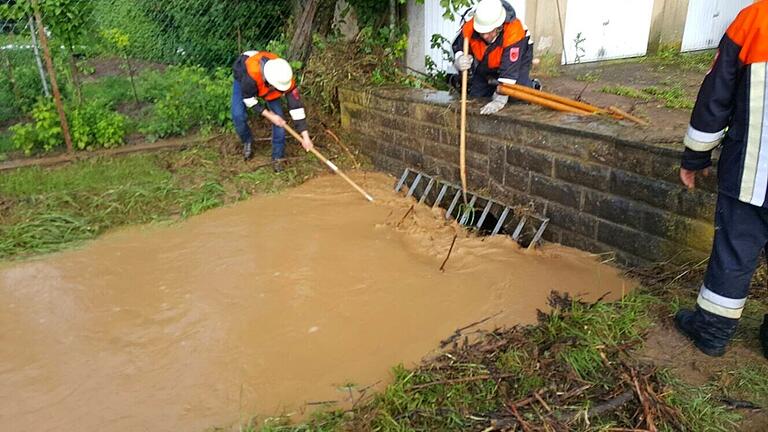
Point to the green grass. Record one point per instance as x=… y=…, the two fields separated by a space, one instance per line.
x=46 y=210
x=672 y=96
x=748 y=382
x=671 y=57
x=701 y=411
x=109 y=90
x=6 y=145
x=590 y=77
x=625 y=91
x=549 y=66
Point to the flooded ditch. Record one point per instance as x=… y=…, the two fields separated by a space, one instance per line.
x=257 y=308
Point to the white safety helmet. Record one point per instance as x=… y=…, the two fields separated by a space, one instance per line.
x=489 y=15
x=278 y=74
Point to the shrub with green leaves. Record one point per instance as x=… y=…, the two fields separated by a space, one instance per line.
x=43 y=134
x=20 y=94
x=186 y=98
x=94 y=126
x=91 y=126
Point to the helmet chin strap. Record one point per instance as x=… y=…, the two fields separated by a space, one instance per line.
x=498 y=33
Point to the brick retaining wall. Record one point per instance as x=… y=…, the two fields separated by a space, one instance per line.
x=606 y=186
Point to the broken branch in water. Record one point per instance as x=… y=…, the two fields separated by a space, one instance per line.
x=442 y=267
x=405 y=216
x=456 y=334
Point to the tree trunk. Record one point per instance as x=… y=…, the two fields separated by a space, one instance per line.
x=75 y=77
x=130 y=75
x=324 y=18
x=301 y=42
x=392 y=19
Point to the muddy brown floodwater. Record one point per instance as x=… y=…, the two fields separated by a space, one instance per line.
x=257 y=308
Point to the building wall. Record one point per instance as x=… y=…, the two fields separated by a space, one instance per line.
x=668 y=24
x=546 y=26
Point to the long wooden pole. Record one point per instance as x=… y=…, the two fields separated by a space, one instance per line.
x=554 y=97
x=52 y=75
x=331 y=165
x=541 y=101
x=463 y=133
x=560 y=103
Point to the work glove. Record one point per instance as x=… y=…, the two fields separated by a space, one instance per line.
x=494 y=106
x=463 y=62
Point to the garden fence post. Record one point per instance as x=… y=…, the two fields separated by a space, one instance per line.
x=38 y=60
x=52 y=74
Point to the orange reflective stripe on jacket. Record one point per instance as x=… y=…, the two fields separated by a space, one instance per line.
x=253 y=67
x=512 y=33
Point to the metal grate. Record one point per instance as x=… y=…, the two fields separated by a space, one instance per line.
x=435 y=193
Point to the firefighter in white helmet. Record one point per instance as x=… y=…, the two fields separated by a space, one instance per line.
x=262 y=74
x=500 y=49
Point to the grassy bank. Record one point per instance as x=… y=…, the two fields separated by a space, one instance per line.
x=45 y=210
x=584 y=367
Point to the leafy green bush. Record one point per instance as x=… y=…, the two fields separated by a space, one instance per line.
x=186 y=98
x=27 y=83
x=44 y=134
x=92 y=126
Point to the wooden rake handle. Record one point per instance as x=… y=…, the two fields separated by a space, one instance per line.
x=331 y=165
x=463 y=128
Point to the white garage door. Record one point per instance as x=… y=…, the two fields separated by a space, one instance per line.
x=707 y=22
x=606 y=29
x=435 y=23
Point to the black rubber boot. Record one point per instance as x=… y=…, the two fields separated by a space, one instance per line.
x=710 y=333
x=764 y=335
x=277 y=166
x=247 y=151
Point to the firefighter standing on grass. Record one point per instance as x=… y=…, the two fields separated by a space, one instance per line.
x=732 y=111
x=500 y=48
x=261 y=74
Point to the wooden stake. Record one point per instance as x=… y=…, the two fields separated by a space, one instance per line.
x=52 y=75
x=463 y=135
